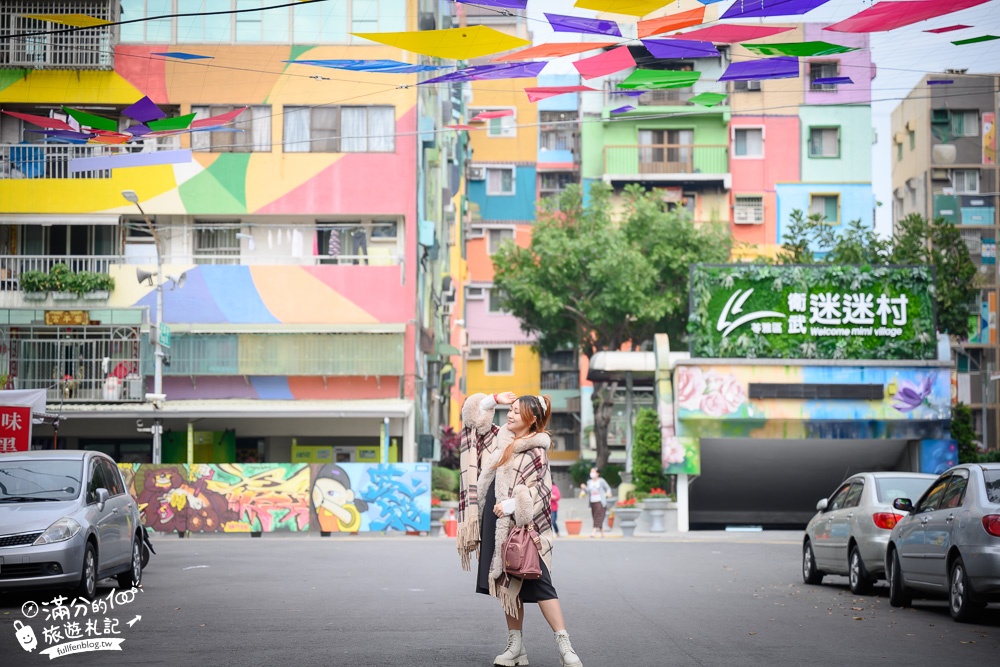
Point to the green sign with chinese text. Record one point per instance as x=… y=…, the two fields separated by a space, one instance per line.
x=812 y=312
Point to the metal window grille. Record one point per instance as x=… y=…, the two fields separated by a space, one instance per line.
x=748 y=210
x=78 y=363
x=86 y=48
x=217 y=244
x=823 y=71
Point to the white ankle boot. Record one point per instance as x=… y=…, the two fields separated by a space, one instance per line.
x=567 y=656
x=515 y=655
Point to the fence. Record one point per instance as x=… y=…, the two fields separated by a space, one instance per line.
x=661 y=159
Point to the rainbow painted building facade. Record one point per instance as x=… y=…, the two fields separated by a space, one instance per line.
x=289 y=249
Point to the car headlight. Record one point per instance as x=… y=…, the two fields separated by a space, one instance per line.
x=60 y=531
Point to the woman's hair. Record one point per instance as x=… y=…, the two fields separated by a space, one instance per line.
x=535 y=410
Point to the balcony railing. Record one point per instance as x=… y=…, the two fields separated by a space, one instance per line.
x=658 y=160
x=86 y=48
x=52 y=160
x=668 y=97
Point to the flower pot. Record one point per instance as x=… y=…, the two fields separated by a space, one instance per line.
x=97 y=295
x=627 y=519
x=657 y=509
x=573 y=526
x=64 y=296
x=36 y=296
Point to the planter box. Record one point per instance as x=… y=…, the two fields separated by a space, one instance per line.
x=36 y=296
x=627 y=519
x=64 y=296
x=658 y=516
x=97 y=295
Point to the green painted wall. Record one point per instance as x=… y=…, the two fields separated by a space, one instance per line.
x=854 y=164
x=710 y=129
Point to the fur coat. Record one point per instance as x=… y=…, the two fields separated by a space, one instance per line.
x=525 y=478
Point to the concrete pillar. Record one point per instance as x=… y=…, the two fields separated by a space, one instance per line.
x=683 y=504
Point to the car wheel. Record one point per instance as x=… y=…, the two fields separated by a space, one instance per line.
x=961 y=604
x=898 y=595
x=145 y=555
x=857 y=576
x=810 y=574
x=87 y=587
x=133 y=576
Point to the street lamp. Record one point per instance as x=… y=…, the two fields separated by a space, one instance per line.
x=157 y=394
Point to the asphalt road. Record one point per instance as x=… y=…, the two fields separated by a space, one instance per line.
x=704 y=599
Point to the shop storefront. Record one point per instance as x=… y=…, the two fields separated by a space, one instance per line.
x=798 y=377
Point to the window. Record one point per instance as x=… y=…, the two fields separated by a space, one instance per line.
x=965 y=181
x=96 y=481
x=746 y=86
x=955 y=494
x=256 y=27
x=340 y=129
x=838 y=498
x=823 y=71
x=505 y=126
x=202 y=28
x=499 y=361
x=216 y=243
x=113 y=478
x=475 y=293
x=899 y=152
x=500 y=180
x=364 y=15
x=890 y=488
x=965 y=123
x=80 y=48
x=824 y=142
x=932 y=498
x=827 y=206
x=748 y=210
x=853 y=498
x=496 y=237
x=494 y=301
x=913 y=140
x=254 y=136
x=748 y=142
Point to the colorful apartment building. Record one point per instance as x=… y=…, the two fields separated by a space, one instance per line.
x=944 y=166
x=798 y=145
x=286 y=253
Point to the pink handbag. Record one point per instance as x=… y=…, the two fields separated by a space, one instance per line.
x=520 y=553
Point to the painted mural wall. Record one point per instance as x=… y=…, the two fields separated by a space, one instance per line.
x=282 y=497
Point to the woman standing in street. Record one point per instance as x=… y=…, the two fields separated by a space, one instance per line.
x=598 y=491
x=506 y=482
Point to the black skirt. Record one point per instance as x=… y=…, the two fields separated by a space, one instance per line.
x=532 y=590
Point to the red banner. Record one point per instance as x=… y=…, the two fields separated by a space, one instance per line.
x=15 y=428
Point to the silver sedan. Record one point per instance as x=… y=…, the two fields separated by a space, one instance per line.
x=950 y=542
x=851 y=528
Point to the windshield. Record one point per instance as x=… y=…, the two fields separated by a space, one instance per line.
x=890 y=488
x=992 y=485
x=39 y=481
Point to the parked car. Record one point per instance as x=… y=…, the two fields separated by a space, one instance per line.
x=950 y=542
x=66 y=520
x=850 y=531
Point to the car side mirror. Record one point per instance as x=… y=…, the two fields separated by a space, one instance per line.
x=102 y=497
x=902 y=504
x=821 y=505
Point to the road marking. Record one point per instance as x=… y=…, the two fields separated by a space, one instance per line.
x=195 y=567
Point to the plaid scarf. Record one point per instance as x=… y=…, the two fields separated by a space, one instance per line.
x=525 y=478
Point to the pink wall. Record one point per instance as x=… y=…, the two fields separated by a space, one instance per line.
x=855 y=64
x=757 y=176
x=487 y=327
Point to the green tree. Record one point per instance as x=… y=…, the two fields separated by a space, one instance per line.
x=647 y=462
x=963 y=432
x=604 y=275
x=916 y=241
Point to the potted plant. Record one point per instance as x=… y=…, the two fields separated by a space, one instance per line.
x=573 y=525
x=628 y=514
x=35 y=285
x=62 y=282
x=93 y=285
x=656 y=502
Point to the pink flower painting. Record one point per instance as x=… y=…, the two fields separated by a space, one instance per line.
x=711 y=393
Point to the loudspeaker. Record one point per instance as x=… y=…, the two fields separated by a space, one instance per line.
x=144 y=276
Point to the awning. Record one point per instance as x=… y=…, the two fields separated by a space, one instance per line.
x=394 y=408
x=59 y=219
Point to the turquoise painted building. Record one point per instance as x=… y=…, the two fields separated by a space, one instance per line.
x=503 y=195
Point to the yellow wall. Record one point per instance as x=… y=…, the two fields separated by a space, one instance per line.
x=779 y=97
x=526 y=378
x=506 y=93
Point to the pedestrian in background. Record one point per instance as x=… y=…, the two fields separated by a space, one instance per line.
x=506 y=482
x=556 y=497
x=598 y=491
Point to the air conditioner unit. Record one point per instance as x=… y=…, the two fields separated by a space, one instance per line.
x=753 y=85
x=475 y=353
x=745 y=217
x=477 y=173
